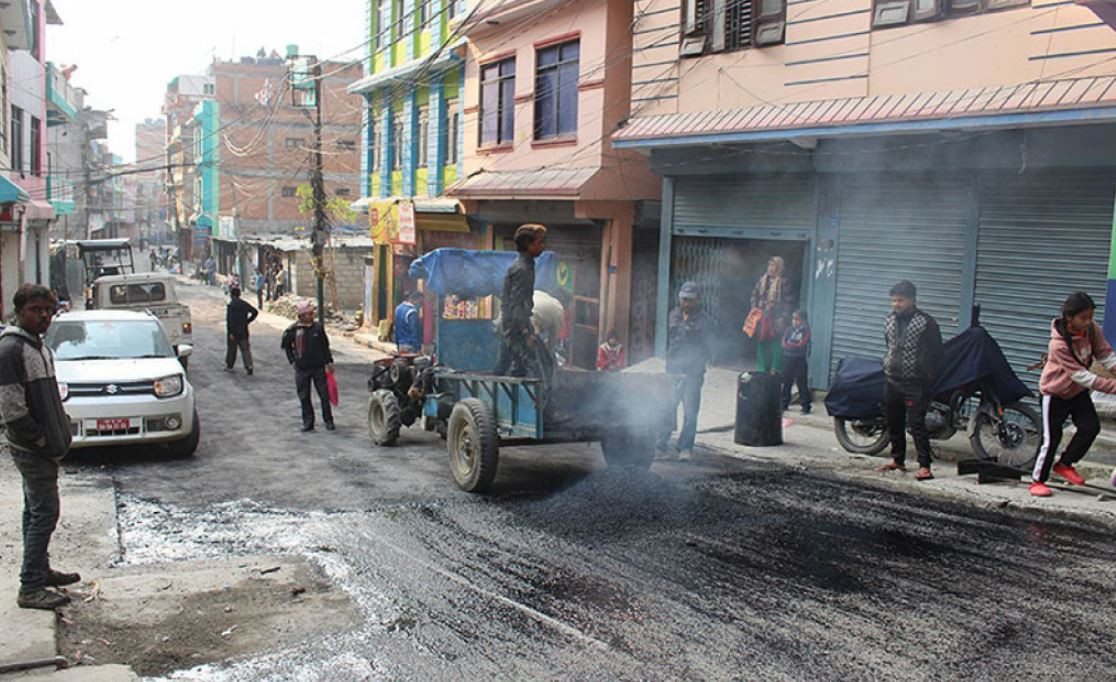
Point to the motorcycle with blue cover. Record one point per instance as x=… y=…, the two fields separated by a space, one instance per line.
x=976 y=392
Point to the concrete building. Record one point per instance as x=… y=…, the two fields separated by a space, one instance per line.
x=65 y=150
x=250 y=150
x=182 y=96
x=961 y=144
x=15 y=34
x=27 y=149
x=412 y=141
x=545 y=86
x=151 y=197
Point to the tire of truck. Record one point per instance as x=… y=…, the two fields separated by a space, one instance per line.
x=474 y=446
x=384 y=417
x=186 y=447
x=628 y=450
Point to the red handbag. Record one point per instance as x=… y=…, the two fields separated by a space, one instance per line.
x=331 y=385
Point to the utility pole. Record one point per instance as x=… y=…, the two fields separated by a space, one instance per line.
x=306 y=84
x=317 y=184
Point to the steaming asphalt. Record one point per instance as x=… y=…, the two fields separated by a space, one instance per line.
x=718 y=569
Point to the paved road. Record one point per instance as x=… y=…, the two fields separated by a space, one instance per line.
x=720 y=569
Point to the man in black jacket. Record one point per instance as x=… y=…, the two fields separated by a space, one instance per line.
x=912 y=361
x=238 y=315
x=307 y=348
x=688 y=351
x=519 y=345
x=39 y=436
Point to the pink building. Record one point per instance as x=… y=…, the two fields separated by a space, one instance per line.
x=964 y=145
x=546 y=84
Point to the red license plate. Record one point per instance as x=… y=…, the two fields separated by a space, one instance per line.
x=113 y=424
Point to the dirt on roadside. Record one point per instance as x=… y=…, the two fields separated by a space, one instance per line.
x=159 y=619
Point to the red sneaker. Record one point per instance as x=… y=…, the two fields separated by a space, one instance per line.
x=1039 y=489
x=1069 y=473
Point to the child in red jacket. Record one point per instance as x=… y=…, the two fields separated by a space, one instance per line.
x=610 y=354
x=1075 y=342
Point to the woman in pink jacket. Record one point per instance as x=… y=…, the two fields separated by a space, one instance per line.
x=1075 y=342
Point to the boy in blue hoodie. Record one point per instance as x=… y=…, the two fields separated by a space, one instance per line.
x=796 y=346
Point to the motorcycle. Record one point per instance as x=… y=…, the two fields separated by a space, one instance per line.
x=976 y=392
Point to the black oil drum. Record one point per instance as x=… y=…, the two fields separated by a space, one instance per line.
x=759 y=413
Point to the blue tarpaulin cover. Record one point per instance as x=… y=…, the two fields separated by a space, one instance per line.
x=857 y=391
x=465 y=272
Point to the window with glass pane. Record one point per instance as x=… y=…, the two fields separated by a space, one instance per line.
x=448 y=134
x=17 y=139
x=498 y=102
x=423 y=132
x=397 y=143
x=36 y=147
x=398 y=10
x=556 y=82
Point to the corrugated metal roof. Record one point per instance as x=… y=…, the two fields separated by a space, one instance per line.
x=546 y=182
x=1042 y=96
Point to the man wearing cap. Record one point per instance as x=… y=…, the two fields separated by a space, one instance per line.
x=688 y=350
x=307 y=348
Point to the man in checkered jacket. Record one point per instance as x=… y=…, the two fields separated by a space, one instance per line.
x=911 y=364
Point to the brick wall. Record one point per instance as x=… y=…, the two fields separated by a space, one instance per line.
x=348 y=268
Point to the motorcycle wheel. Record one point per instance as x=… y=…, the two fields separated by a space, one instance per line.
x=862 y=436
x=1012 y=440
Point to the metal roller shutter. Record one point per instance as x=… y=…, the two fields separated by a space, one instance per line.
x=893 y=228
x=1041 y=237
x=723 y=203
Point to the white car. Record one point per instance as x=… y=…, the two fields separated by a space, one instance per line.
x=122 y=382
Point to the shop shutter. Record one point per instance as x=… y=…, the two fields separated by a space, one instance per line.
x=724 y=204
x=1041 y=237
x=893 y=228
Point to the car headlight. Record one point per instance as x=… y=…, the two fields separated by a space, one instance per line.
x=63 y=390
x=168 y=386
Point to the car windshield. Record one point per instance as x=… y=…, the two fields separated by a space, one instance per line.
x=108 y=340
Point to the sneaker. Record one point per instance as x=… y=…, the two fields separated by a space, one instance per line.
x=685 y=455
x=307 y=427
x=1039 y=489
x=1069 y=473
x=249 y=371
x=806 y=409
x=330 y=426
x=60 y=579
x=228 y=369
x=41 y=598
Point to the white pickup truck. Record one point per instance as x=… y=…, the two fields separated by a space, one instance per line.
x=149 y=291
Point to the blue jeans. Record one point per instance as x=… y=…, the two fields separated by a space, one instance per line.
x=40 y=516
x=685 y=389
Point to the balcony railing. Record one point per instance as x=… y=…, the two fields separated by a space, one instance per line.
x=63 y=100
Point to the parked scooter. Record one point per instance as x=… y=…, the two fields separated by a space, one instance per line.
x=977 y=392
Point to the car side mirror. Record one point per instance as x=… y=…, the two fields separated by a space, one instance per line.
x=185 y=350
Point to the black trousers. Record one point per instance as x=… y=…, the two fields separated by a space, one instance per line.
x=906 y=404
x=303 y=379
x=1055 y=410
x=245 y=350
x=516 y=357
x=794 y=373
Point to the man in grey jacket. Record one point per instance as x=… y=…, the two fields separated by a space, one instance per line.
x=39 y=436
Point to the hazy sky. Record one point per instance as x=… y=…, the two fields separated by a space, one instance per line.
x=127 y=50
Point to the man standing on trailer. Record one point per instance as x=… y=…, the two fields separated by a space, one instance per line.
x=518 y=340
